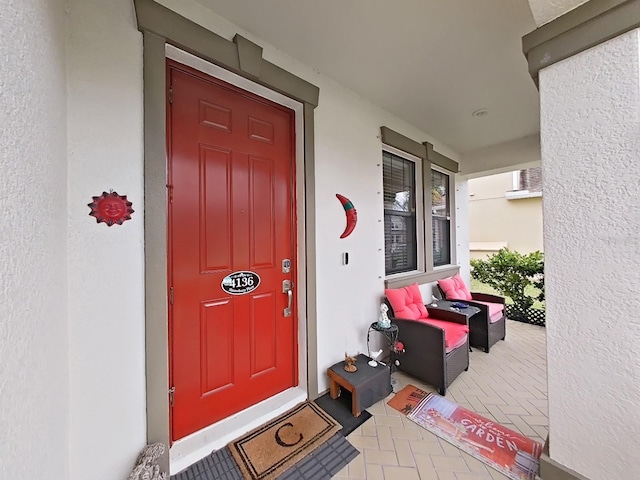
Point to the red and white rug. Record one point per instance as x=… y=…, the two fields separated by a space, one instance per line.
x=509 y=452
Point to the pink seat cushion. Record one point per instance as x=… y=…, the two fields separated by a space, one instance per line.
x=495 y=310
x=454 y=333
x=407 y=302
x=454 y=288
x=460 y=343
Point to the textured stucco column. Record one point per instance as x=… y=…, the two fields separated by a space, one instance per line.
x=34 y=333
x=590 y=137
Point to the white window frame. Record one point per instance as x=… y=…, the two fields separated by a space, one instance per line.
x=422 y=202
x=420 y=209
x=452 y=220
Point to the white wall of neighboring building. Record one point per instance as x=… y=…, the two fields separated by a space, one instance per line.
x=34 y=401
x=106 y=264
x=496 y=221
x=590 y=113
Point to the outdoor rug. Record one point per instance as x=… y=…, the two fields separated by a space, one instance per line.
x=269 y=450
x=509 y=452
x=340 y=410
x=322 y=464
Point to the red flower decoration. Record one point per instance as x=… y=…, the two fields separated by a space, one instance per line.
x=111 y=208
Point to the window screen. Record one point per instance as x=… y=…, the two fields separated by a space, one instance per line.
x=440 y=218
x=399 y=178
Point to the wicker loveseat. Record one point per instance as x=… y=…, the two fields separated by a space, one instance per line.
x=428 y=355
x=489 y=325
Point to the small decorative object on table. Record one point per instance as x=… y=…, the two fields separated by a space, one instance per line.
x=374 y=356
x=398 y=348
x=383 y=321
x=350 y=361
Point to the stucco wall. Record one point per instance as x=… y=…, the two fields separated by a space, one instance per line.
x=590 y=122
x=494 y=219
x=107 y=425
x=34 y=401
x=348 y=161
x=106 y=283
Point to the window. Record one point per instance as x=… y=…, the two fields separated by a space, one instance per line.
x=440 y=218
x=527 y=183
x=530 y=179
x=400 y=225
x=417 y=239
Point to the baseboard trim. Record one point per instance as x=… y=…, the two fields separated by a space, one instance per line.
x=552 y=470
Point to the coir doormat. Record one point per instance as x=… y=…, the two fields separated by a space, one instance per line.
x=509 y=452
x=270 y=449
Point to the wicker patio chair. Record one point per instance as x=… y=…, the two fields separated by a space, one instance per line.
x=426 y=356
x=489 y=325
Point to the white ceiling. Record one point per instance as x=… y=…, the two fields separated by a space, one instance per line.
x=430 y=62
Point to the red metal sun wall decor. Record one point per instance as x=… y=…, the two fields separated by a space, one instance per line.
x=111 y=208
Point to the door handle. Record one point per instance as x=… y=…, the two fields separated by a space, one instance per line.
x=287 y=287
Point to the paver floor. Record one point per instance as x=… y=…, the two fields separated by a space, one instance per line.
x=508 y=385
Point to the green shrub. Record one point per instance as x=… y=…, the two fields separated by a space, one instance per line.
x=513 y=274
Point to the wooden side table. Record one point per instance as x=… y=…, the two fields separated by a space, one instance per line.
x=367 y=385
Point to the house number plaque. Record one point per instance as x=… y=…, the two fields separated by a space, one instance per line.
x=240 y=283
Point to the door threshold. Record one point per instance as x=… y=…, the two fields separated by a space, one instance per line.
x=195 y=447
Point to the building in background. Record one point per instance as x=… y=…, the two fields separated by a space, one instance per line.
x=505 y=210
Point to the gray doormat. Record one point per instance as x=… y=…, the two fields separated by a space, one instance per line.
x=331 y=457
x=340 y=410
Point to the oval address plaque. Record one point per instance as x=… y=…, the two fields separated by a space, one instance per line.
x=240 y=283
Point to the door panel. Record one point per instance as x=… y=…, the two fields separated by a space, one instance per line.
x=215 y=209
x=231 y=170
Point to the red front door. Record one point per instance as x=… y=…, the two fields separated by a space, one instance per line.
x=231 y=233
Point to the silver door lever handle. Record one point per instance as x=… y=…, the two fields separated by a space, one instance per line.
x=287 y=288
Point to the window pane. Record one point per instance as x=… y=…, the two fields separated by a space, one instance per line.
x=399 y=183
x=440 y=218
x=400 y=243
x=399 y=179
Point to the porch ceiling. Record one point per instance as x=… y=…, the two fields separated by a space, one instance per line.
x=430 y=62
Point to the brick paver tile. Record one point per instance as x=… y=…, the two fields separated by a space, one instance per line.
x=361 y=441
x=426 y=447
x=380 y=457
x=404 y=453
x=514 y=410
x=357 y=468
x=385 y=440
x=475 y=465
x=473 y=476
x=425 y=467
x=375 y=472
x=400 y=473
x=369 y=427
x=446 y=476
x=535 y=420
x=388 y=421
x=406 y=433
x=449 y=463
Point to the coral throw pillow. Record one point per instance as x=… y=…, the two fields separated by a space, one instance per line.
x=407 y=302
x=454 y=288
